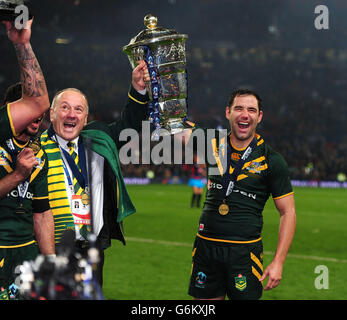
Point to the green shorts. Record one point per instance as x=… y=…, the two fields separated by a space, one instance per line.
x=10 y=258
x=223 y=268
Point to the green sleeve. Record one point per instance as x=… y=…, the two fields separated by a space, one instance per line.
x=40 y=188
x=279 y=181
x=135 y=111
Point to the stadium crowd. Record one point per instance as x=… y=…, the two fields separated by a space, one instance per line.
x=304 y=120
x=301 y=80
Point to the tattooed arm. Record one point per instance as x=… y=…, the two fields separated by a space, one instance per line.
x=34 y=99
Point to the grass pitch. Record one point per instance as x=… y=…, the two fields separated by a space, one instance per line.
x=155 y=264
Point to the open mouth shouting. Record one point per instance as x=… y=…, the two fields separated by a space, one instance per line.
x=69 y=125
x=243 y=125
x=69 y=114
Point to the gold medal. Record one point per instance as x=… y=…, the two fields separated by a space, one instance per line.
x=85 y=198
x=35 y=145
x=223 y=209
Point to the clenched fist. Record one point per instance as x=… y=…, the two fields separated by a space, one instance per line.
x=26 y=161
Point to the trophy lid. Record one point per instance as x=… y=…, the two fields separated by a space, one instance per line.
x=10 y=4
x=153 y=34
x=7 y=9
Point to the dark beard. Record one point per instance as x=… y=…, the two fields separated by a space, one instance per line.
x=27 y=132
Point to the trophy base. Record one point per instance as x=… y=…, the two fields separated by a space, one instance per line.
x=171 y=128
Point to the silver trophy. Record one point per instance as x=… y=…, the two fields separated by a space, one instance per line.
x=164 y=53
x=8 y=9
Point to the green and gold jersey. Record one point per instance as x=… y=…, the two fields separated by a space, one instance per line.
x=6 y=126
x=16 y=229
x=264 y=174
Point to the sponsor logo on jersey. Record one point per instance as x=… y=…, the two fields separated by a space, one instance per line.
x=14 y=194
x=213 y=185
x=235 y=156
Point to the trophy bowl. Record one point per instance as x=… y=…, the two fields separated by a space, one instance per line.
x=163 y=50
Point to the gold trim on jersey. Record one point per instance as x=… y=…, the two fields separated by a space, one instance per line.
x=258 y=160
x=193 y=254
x=17 y=143
x=285 y=195
x=8 y=168
x=228 y=241
x=40 y=198
x=18 y=245
x=11 y=121
x=261 y=141
x=132 y=98
x=38 y=168
x=256 y=169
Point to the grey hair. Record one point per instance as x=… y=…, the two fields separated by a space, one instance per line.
x=68 y=89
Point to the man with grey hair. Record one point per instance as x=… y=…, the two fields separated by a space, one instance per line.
x=71 y=164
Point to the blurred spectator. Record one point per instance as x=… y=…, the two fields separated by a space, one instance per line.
x=301 y=73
